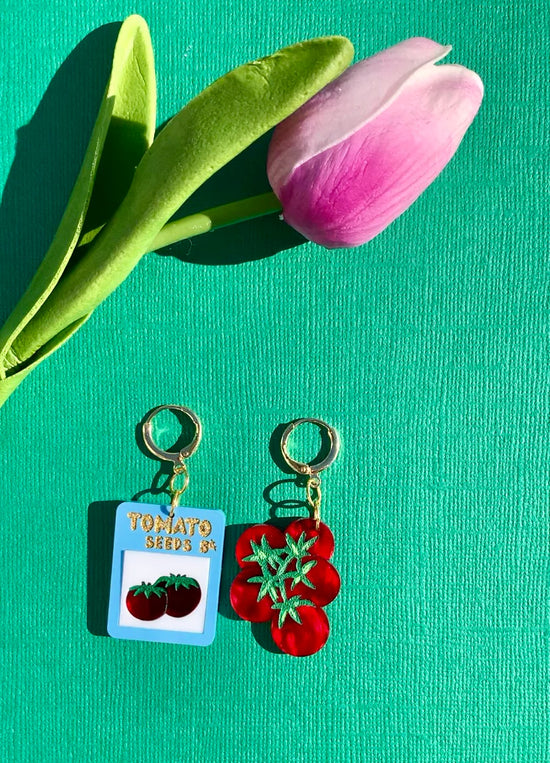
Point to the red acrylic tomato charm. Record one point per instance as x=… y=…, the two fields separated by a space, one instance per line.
x=273 y=536
x=287 y=578
x=323 y=581
x=303 y=638
x=323 y=546
x=146 y=601
x=244 y=596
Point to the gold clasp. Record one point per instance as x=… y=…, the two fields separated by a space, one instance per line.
x=176 y=457
x=311 y=470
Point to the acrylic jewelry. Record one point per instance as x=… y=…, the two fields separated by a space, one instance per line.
x=167 y=559
x=286 y=577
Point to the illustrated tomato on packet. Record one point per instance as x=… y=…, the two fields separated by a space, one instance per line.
x=173 y=595
x=286 y=578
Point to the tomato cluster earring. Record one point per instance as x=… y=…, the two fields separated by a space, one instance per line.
x=286 y=577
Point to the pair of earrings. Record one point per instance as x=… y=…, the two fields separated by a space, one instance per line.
x=167 y=560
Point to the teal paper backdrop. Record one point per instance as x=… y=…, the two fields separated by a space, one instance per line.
x=427 y=349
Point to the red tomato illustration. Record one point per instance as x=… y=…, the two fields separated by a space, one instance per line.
x=303 y=638
x=323 y=546
x=183 y=593
x=146 y=601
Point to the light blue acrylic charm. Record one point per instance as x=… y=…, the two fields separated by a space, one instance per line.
x=167 y=560
x=152 y=546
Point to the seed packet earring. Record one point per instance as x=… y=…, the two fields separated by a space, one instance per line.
x=286 y=577
x=166 y=568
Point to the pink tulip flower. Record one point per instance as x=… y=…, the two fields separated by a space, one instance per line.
x=354 y=157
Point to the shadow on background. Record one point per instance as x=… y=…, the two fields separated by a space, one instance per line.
x=48 y=155
x=101 y=531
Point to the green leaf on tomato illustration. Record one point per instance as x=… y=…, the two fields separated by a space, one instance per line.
x=269 y=586
x=290 y=607
x=299 y=547
x=146 y=601
x=263 y=554
x=301 y=574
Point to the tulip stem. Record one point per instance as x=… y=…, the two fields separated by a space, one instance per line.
x=217 y=217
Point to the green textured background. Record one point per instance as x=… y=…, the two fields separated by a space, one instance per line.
x=427 y=348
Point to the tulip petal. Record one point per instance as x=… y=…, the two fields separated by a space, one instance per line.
x=349 y=193
x=346 y=104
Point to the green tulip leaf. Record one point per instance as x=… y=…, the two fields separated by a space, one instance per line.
x=207 y=133
x=11 y=382
x=123 y=131
x=115 y=212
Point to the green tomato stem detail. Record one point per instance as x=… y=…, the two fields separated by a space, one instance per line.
x=290 y=607
x=177 y=581
x=299 y=548
x=273 y=583
x=149 y=589
x=301 y=576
